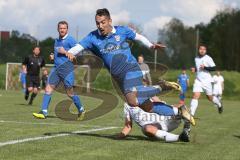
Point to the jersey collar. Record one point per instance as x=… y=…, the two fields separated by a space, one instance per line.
x=112 y=32
x=64 y=36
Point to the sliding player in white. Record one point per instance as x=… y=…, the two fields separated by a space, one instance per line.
x=153 y=124
x=218 y=85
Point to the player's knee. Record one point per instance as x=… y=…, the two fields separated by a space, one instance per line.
x=35 y=90
x=48 y=89
x=196 y=96
x=30 y=89
x=149 y=130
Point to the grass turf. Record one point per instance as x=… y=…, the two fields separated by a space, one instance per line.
x=215 y=136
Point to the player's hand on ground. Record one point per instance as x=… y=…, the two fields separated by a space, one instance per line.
x=120 y=136
x=158 y=46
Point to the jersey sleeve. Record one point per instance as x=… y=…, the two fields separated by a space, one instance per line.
x=211 y=62
x=129 y=33
x=86 y=42
x=43 y=63
x=222 y=78
x=72 y=42
x=126 y=113
x=178 y=78
x=25 y=61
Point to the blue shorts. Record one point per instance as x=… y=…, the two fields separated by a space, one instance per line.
x=162 y=109
x=23 y=81
x=63 y=73
x=129 y=80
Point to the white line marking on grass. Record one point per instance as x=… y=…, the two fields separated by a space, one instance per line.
x=49 y=137
x=44 y=123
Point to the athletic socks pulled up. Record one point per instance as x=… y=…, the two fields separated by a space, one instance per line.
x=168 y=137
x=77 y=102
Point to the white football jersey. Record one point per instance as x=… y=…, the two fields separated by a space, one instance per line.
x=142 y=118
x=218 y=80
x=204 y=75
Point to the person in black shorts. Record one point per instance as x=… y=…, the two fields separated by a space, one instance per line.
x=33 y=63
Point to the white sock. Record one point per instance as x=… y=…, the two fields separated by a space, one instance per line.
x=216 y=101
x=168 y=137
x=175 y=110
x=220 y=97
x=193 y=107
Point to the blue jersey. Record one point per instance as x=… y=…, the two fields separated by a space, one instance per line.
x=23 y=77
x=66 y=42
x=182 y=79
x=113 y=49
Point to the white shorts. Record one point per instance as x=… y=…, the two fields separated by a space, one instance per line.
x=206 y=87
x=217 y=91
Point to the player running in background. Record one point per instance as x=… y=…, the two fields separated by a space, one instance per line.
x=33 y=63
x=110 y=44
x=203 y=83
x=62 y=72
x=218 y=85
x=183 y=80
x=22 y=78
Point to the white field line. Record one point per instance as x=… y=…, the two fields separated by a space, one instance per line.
x=49 y=137
x=44 y=123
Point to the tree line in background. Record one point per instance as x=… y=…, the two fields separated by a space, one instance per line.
x=221 y=35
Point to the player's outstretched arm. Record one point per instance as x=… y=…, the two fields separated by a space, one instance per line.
x=147 y=43
x=70 y=54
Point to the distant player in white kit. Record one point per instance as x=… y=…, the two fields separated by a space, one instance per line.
x=218 y=85
x=203 y=83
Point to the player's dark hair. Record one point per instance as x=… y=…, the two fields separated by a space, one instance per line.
x=36 y=47
x=103 y=12
x=202 y=45
x=63 y=22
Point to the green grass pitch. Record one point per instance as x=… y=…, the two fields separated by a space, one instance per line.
x=215 y=136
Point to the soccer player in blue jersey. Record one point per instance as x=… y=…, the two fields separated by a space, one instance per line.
x=62 y=72
x=183 y=80
x=110 y=44
x=22 y=78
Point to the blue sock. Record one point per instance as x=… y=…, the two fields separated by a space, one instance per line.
x=45 y=103
x=163 y=109
x=182 y=96
x=77 y=102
